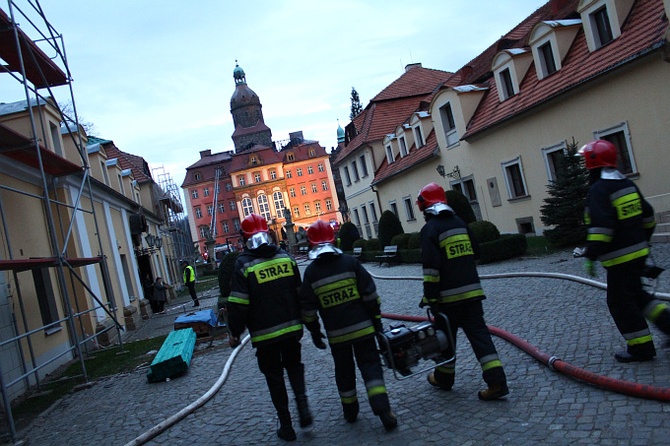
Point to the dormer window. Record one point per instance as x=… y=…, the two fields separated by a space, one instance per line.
x=403 y=146
x=509 y=68
x=603 y=20
x=253 y=161
x=550 y=42
x=449 y=124
x=389 y=154
x=290 y=157
x=547 y=61
x=312 y=153
x=197 y=176
x=418 y=136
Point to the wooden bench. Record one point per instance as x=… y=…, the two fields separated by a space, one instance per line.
x=357 y=252
x=390 y=254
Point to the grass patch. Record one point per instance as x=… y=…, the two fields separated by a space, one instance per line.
x=539 y=246
x=99 y=364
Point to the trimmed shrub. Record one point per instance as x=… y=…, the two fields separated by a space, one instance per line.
x=414 y=241
x=484 y=231
x=347 y=235
x=225 y=276
x=506 y=247
x=461 y=206
x=389 y=227
x=401 y=240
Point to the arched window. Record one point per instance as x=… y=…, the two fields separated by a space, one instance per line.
x=278 y=199
x=247 y=206
x=263 y=206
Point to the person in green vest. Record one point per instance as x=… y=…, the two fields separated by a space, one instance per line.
x=189 y=281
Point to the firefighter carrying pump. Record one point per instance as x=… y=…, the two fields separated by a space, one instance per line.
x=403 y=347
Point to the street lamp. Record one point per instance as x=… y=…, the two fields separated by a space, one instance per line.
x=150 y=239
x=159 y=242
x=455 y=173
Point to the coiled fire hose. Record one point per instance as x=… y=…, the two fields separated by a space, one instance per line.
x=604 y=382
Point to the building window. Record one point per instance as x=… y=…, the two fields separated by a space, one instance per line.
x=205 y=192
x=224 y=226
x=254 y=161
x=364 y=166
x=197 y=176
x=317 y=207
x=236 y=224
x=314 y=188
x=105 y=175
x=505 y=84
x=263 y=206
x=320 y=168
x=448 y=124
x=194 y=193
x=289 y=174
x=273 y=174
x=357 y=221
x=290 y=157
x=257 y=177
x=516 y=185
x=394 y=208
x=310 y=170
x=312 y=153
x=229 y=187
x=389 y=154
x=45 y=298
x=354 y=169
x=419 y=136
x=247 y=206
x=347 y=177
x=210 y=210
x=241 y=180
x=222 y=208
x=278 y=199
x=373 y=212
x=324 y=185
x=231 y=205
x=620 y=137
x=409 y=208
x=121 y=189
x=203 y=230
x=600 y=22
x=329 y=204
x=303 y=190
x=296 y=211
x=291 y=192
x=547 y=61
x=198 y=212
x=403 y=146
x=308 y=210
x=299 y=171
x=553 y=159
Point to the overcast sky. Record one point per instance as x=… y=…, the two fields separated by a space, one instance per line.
x=156 y=76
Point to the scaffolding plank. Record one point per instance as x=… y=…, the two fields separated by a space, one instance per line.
x=41 y=71
x=19 y=265
x=174 y=356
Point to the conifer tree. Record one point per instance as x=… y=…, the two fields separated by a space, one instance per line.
x=564 y=208
x=356 y=106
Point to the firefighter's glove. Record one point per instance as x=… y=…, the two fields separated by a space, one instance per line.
x=590 y=267
x=317 y=338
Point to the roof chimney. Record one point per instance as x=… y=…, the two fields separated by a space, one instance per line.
x=412 y=65
x=205 y=153
x=296 y=137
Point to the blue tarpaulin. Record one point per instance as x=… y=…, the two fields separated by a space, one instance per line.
x=206 y=316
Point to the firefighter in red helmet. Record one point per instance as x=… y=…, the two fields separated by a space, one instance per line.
x=620 y=223
x=264 y=298
x=338 y=288
x=451 y=286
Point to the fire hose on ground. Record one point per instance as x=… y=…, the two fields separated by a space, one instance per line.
x=624 y=387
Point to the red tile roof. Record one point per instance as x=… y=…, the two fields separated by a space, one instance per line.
x=136 y=164
x=301 y=152
x=414 y=157
x=267 y=155
x=393 y=106
x=642 y=31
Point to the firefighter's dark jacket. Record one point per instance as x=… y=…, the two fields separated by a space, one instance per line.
x=264 y=296
x=448 y=255
x=344 y=294
x=620 y=221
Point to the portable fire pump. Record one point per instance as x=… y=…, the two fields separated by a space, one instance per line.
x=404 y=347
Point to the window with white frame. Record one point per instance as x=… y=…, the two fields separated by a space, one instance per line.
x=257 y=177
x=273 y=174
x=105 y=175
x=347 y=177
x=203 y=230
x=210 y=210
x=364 y=166
x=553 y=159
x=229 y=187
x=296 y=211
x=317 y=207
x=241 y=180
x=505 y=83
x=545 y=53
x=198 y=212
x=308 y=210
x=289 y=174
x=418 y=136
x=402 y=143
x=320 y=168
x=601 y=26
x=278 y=199
x=232 y=205
x=619 y=135
x=324 y=184
x=466 y=186
x=291 y=192
x=299 y=171
x=236 y=224
x=389 y=154
x=205 y=192
x=329 y=204
x=263 y=206
x=310 y=170
x=224 y=226
x=448 y=124
x=516 y=184
x=247 y=206
x=303 y=190
x=194 y=193
x=409 y=208
x=222 y=208
x=314 y=188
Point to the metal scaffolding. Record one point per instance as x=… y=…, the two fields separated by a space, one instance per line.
x=39 y=72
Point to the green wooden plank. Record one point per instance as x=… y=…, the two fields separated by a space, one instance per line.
x=174 y=356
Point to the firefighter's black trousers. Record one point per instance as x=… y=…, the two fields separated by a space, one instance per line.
x=272 y=360
x=369 y=363
x=469 y=315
